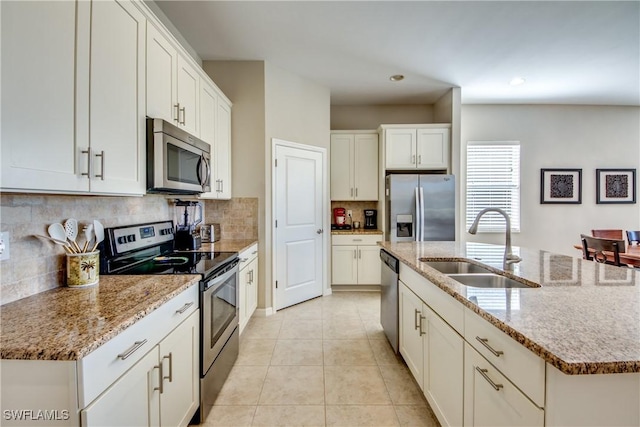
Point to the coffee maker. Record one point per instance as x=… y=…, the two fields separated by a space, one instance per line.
x=339 y=216
x=370 y=219
x=188 y=214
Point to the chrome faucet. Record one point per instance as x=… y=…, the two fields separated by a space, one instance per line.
x=509 y=257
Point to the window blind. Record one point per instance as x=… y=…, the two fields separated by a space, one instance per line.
x=493 y=180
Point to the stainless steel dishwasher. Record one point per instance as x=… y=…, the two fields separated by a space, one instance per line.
x=389 y=297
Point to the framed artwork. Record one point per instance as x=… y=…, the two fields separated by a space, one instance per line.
x=615 y=186
x=561 y=186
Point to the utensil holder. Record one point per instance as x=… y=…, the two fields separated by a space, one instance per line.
x=83 y=269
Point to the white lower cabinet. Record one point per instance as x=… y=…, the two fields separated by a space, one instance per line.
x=355 y=259
x=248 y=284
x=434 y=354
x=490 y=399
x=160 y=389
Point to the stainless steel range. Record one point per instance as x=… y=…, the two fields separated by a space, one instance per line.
x=149 y=249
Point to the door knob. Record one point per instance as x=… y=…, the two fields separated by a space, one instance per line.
x=319 y=231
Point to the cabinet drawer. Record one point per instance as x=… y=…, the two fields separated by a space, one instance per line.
x=442 y=303
x=100 y=368
x=248 y=255
x=356 y=239
x=520 y=365
x=491 y=399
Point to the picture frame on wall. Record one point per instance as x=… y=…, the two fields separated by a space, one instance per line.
x=615 y=186
x=562 y=186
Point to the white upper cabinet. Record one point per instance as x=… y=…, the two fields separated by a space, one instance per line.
x=188 y=96
x=354 y=166
x=73 y=97
x=162 y=79
x=116 y=98
x=416 y=148
x=221 y=179
x=208 y=112
x=38 y=97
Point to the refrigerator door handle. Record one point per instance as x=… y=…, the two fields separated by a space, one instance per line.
x=422 y=224
x=418 y=217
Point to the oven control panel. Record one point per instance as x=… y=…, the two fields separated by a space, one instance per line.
x=136 y=237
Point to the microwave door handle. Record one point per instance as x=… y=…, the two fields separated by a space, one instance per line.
x=207 y=174
x=202 y=163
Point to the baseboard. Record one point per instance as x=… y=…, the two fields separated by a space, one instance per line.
x=327 y=292
x=356 y=288
x=263 y=312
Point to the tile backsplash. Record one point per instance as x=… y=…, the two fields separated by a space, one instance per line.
x=37 y=265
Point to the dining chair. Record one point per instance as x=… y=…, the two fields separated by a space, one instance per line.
x=598 y=245
x=607 y=234
x=633 y=236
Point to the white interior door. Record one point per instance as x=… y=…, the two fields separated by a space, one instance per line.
x=298 y=207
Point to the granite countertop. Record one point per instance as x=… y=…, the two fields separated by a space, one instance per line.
x=227 y=246
x=356 y=231
x=67 y=323
x=584 y=319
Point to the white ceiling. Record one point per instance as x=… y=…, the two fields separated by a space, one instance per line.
x=568 y=52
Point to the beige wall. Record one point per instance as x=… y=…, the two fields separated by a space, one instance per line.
x=350 y=117
x=587 y=137
x=37 y=265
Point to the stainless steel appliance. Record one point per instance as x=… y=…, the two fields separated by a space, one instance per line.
x=389 y=304
x=188 y=214
x=420 y=207
x=177 y=162
x=149 y=249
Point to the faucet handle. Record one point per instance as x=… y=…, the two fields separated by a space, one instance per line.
x=512 y=259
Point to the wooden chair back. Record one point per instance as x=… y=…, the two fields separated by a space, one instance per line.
x=607 y=234
x=598 y=245
x=633 y=236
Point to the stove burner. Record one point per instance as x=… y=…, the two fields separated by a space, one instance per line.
x=171 y=260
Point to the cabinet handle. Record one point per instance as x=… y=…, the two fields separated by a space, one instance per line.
x=184 y=116
x=184 y=308
x=485 y=342
x=419 y=159
x=255 y=252
x=355 y=254
x=243 y=260
x=356 y=191
x=160 y=387
x=128 y=352
x=101 y=155
x=177 y=118
x=170 y=377
x=415 y=319
x=356 y=240
x=359 y=254
x=251 y=280
x=351 y=192
x=88 y=153
x=248 y=276
x=420 y=323
x=483 y=372
x=413 y=159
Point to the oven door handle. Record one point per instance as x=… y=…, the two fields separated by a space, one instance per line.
x=216 y=281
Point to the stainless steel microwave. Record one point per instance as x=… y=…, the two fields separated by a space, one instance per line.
x=177 y=162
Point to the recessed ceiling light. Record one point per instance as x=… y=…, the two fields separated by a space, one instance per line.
x=517 y=81
x=396 y=78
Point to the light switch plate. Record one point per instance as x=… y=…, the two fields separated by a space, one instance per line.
x=4 y=245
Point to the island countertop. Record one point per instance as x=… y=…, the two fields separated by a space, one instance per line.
x=583 y=319
x=67 y=324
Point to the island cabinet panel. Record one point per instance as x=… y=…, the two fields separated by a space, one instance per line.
x=490 y=399
x=520 y=365
x=411 y=347
x=592 y=400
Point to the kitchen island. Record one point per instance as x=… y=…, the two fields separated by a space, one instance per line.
x=576 y=332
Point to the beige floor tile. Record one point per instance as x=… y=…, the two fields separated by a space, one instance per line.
x=374 y=329
x=303 y=329
x=255 y=352
x=365 y=416
x=358 y=385
x=401 y=386
x=384 y=353
x=297 y=352
x=243 y=386
x=293 y=385
x=416 y=416
x=290 y=416
x=347 y=352
x=230 y=416
x=343 y=329
x=307 y=310
x=262 y=328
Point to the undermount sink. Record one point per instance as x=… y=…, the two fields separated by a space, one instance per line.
x=488 y=281
x=456 y=267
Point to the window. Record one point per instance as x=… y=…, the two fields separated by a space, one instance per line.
x=493 y=180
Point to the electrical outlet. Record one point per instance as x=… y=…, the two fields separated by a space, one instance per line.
x=349 y=213
x=4 y=245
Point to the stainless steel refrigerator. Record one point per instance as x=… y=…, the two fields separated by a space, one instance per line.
x=420 y=207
